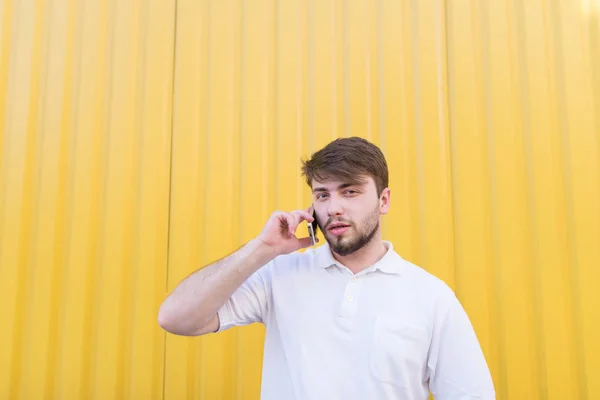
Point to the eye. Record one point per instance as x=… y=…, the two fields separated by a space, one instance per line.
x=351 y=192
x=321 y=195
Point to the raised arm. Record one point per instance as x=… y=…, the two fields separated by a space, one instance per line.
x=191 y=309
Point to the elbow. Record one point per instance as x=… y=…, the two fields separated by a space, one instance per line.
x=175 y=324
x=171 y=322
x=167 y=321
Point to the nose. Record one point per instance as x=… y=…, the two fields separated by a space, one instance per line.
x=334 y=207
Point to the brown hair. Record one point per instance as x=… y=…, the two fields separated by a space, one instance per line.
x=349 y=160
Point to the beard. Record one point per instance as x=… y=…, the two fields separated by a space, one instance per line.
x=365 y=232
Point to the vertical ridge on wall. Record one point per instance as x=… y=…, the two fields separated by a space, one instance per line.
x=473 y=246
x=327 y=73
x=240 y=211
x=501 y=143
x=100 y=323
x=399 y=123
x=72 y=81
x=19 y=175
x=165 y=272
x=59 y=134
x=217 y=354
x=381 y=95
x=579 y=145
x=310 y=92
x=276 y=156
x=154 y=121
x=432 y=150
x=587 y=228
x=7 y=16
x=187 y=246
x=191 y=158
x=238 y=51
x=508 y=203
x=257 y=200
x=358 y=97
x=291 y=61
x=344 y=23
x=525 y=125
x=75 y=370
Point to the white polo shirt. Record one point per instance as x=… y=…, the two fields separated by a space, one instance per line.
x=392 y=331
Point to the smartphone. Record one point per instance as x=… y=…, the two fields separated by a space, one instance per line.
x=312 y=230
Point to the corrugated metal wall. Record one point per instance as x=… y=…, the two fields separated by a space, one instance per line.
x=143 y=139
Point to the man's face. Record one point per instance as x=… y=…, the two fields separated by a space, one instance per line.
x=348 y=214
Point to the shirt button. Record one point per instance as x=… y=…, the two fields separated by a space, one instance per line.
x=353 y=279
x=350 y=297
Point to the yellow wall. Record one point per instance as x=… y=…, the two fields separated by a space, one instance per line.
x=141 y=140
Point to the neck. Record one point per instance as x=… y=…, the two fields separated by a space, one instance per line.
x=364 y=257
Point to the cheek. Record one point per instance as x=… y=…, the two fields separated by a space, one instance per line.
x=321 y=219
x=369 y=214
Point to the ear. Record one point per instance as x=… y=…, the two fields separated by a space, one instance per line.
x=384 y=201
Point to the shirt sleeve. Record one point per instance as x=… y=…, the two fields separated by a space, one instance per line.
x=456 y=365
x=248 y=304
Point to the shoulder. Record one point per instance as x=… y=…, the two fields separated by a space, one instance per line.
x=425 y=279
x=291 y=264
x=430 y=287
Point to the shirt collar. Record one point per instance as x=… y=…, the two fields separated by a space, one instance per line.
x=390 y=263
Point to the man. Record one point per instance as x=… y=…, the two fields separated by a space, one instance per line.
x=348 y=320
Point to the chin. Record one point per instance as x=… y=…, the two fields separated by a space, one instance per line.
x=344 y=251
x=344 y=246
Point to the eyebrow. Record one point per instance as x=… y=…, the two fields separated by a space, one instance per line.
x=342 y=186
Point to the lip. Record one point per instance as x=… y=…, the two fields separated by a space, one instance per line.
x=337 y=224
x=338 y=229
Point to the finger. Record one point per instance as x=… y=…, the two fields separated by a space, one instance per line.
x=284 y=223
x=303 y=215
x=293 y=220
x=305 y=242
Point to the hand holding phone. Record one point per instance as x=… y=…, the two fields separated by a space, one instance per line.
x=279 y=233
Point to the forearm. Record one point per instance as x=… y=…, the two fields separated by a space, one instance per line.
x=196 y=300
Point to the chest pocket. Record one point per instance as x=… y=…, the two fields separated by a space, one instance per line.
x=398 y=351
